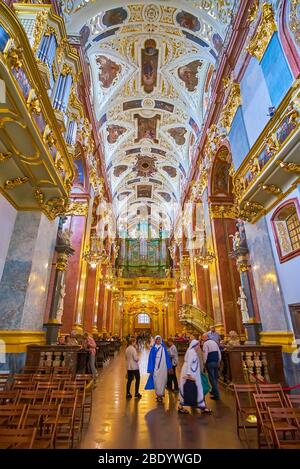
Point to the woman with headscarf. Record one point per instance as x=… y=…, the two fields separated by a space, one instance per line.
x=158 y=365
x=191 y=371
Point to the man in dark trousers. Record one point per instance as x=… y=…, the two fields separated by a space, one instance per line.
x=133 y=371
x=212 y=359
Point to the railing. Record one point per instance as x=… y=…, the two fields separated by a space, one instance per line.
x=190 y=314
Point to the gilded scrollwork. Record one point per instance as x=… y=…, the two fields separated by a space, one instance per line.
x=223 y=211
x=54 y=207
x=265 y=30
x=15 y=182
x=294 y=20
x=39 y=28
x=5 y=156
x=77 y=208
x=234 y=100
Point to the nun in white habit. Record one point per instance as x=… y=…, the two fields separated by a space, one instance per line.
x=191 y=370
x=158 y=365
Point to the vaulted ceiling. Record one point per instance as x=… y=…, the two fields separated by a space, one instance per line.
x=151 y=65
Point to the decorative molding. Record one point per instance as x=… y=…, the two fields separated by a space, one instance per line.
x=284 y=338
x=53 y=207
x=15 y=182
x=264 y=33
x=234 y=100
x=289 y=167
x=39 y=27
x=16 y=341
x=5 y=156
x=77 y=208
x=294 y=20
x=271 y=188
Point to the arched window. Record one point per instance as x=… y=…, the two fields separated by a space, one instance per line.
x=143 y=318
x=286 y=227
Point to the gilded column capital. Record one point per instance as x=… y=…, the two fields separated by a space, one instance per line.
x=77 y=208
x=53 y=207
x=266 y=28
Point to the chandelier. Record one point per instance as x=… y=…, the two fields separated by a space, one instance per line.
x=110 y=280
x=205 y=256
x=95 y=254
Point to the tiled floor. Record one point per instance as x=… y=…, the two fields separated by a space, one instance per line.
x=120 y=423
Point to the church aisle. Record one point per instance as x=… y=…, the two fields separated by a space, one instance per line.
x=120 y=423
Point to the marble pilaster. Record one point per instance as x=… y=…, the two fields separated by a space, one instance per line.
x=24 y=283
x=270 y=301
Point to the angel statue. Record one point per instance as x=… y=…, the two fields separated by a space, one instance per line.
x=236 y=240
x=242 y=302
x=60 y=304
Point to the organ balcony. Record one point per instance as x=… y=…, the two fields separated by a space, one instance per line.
x=39 y=108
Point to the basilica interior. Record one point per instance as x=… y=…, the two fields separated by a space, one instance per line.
x=149 y=185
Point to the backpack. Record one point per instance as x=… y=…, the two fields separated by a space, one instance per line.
x=190 y=393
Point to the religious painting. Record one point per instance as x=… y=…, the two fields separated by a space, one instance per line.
x=145 y=166
x=194 y=126
x=108 y=70
x=79 y=173
x=123 y=195
x=164 y=106
x=165 y=196
x=188 y=21
x=144 y=191
x=102 y=120
x=114 y=16
x=170 y=170
x=149 y=65
x=146 y=127
x=189 y=74
x=120 y=170
x=158 y=151
x=132 y=150
x=155 y=181
x=114 y=132
x=217 y=42
x=84 y=35
x=220 y=184
x=285 y=129
x=178 y=134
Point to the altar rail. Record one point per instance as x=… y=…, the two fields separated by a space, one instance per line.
x=251 y=363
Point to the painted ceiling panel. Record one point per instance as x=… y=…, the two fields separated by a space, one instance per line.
x=151 y=68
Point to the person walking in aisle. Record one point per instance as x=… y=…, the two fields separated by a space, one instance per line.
x=90 y=345
x=191 y=371
x=133 y=372
x=159 y=364
x=212 y=358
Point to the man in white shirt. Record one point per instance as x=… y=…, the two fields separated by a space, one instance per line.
x=133 y=371
x=212 y=358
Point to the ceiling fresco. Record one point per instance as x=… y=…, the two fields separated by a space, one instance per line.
x=151 y=66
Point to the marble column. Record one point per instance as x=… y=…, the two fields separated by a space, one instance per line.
x=227 y=274
x=64 y=250
x=90 y=299
x=25 y=278
x=77 y=225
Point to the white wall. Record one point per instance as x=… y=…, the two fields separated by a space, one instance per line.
x=7 y=221
x=289 y=271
